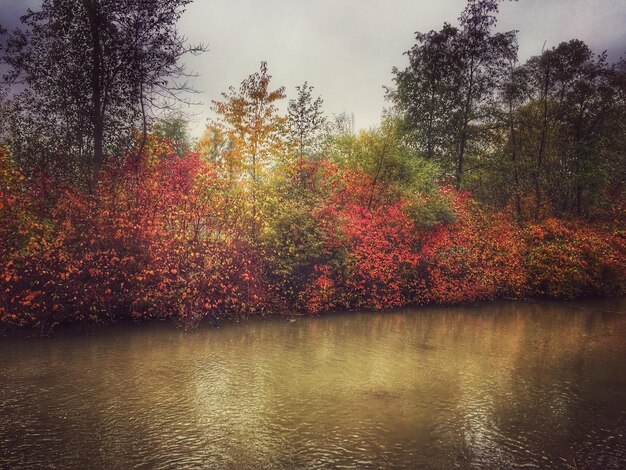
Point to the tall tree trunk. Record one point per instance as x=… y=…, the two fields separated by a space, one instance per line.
x=254 y=189
x=513 y=143
x=542 y=145
x=466 y=119
x=97 y=112
x=578 y=155
x=381 y=159
x=430 y=147
x=461 y=157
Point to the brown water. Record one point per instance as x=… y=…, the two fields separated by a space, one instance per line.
x=503 y=385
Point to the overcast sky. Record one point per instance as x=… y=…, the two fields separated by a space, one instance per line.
x=347 y=48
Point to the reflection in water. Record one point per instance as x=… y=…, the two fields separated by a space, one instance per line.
x=493 y=386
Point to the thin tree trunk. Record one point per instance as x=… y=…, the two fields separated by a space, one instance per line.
x=97 y=111
x=513 y=141
x=466 y=119
x=542 y=146
x=378 y=170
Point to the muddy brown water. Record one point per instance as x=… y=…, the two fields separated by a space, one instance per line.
x=499 y=385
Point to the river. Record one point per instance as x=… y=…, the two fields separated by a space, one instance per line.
x=498 y=385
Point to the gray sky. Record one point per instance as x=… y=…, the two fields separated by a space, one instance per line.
x=346 y=48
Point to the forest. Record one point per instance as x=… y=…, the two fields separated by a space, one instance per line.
x=485 y=178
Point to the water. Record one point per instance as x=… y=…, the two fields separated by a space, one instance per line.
x=503 y=385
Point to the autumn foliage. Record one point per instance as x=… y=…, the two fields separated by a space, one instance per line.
x=155 y=241
x=484 y=180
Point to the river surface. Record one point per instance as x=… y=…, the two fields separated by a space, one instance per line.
x=501 y=385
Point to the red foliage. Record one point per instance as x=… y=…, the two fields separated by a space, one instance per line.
x=375 y=251
x=150 y=243
x=568 y=260
x=479 y=256
x=139 y=247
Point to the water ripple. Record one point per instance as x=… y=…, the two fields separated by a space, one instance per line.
x=510 y=385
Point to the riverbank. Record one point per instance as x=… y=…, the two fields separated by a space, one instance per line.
x=601 y=305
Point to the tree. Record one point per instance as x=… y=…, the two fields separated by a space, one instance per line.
x=571 y=124
x=213 y=144
x=174 y=128
x=249 y=119
x=426 y=91
x=387 y=168
x=451 y=79
x=91 y=70
x=554 y=136
x=306 y=120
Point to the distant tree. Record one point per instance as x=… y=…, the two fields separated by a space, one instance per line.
x=341 y=124
x=174 y=128
x=554 y=136
x=393 y=168
x=90 y=71
x=213 y=144
x=572 y=123
x=452 y=77
x=427 y=90
x=306 y=119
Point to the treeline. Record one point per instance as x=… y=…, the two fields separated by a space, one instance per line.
x=547 y=136
x=487 y=179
